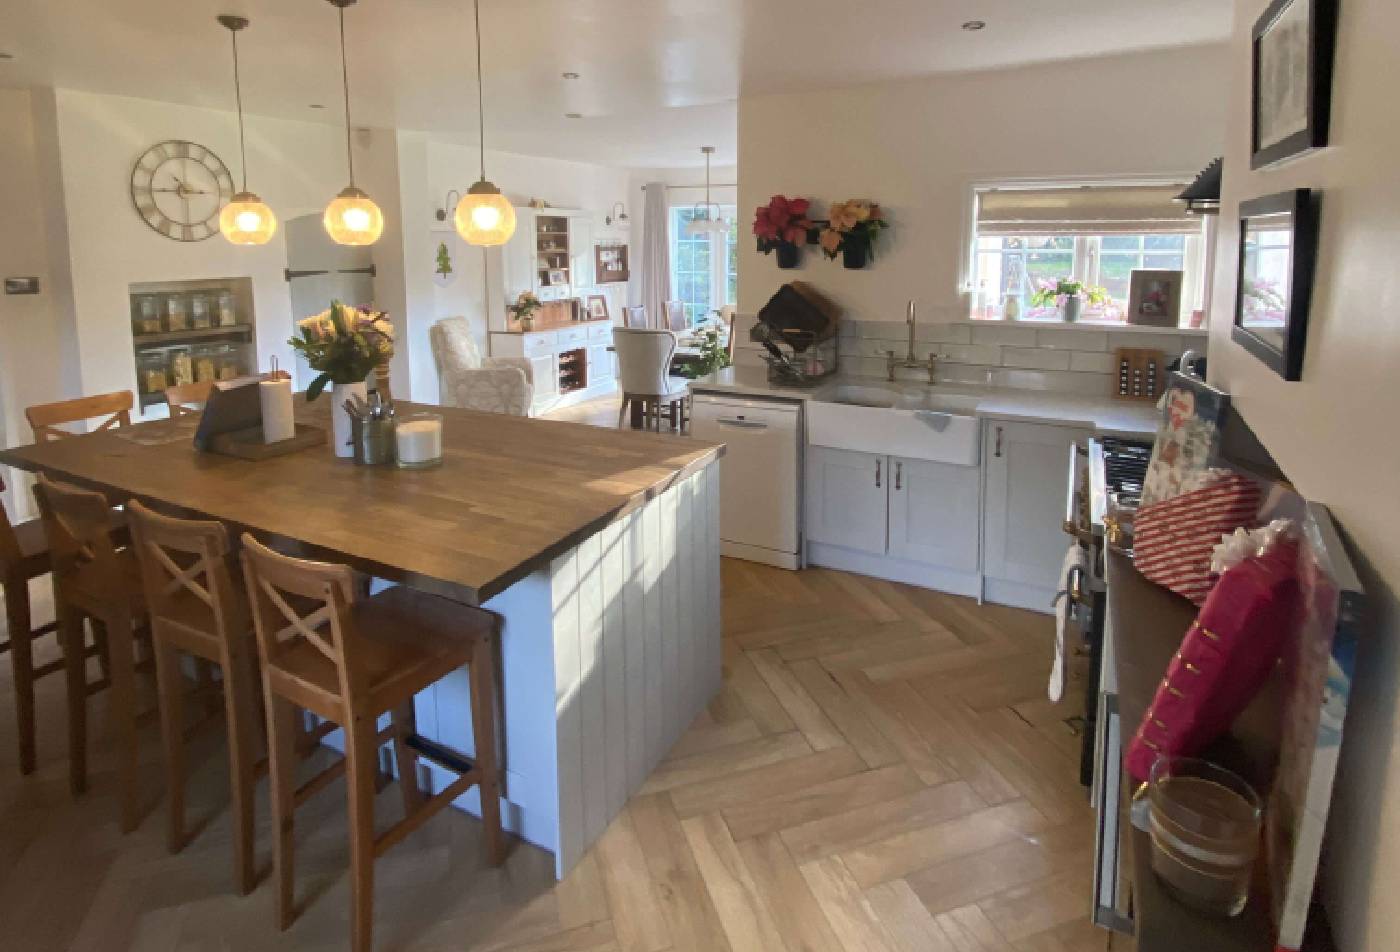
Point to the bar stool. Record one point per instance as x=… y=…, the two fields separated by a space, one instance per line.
x=93 y=580
x=198 y=608
x=350 y=661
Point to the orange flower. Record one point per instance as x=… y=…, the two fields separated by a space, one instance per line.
x=831 y=240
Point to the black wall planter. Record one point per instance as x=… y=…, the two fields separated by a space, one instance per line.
x=855 y=256
x=789 y=255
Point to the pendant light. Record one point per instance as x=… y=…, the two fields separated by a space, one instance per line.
x=245 y=220
x=484 y=216
x=352 y=218
x=701 y=223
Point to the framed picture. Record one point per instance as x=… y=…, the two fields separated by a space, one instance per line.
x=1278 y=250
x=1294 y=44
x=1155 y=298
x=597 y=307
x=557 y=276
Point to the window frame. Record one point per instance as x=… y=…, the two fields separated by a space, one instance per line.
x=721 y=246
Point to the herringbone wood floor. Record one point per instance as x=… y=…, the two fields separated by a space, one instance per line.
x=880 y=772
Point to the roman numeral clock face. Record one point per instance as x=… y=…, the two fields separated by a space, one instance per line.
x=179 y=188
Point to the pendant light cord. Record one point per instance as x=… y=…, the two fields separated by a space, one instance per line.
x=238 y=98
x=480 y=97
x=345 y=85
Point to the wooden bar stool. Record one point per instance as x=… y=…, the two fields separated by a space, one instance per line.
x=46 y=418
x=197 y=607
x=350 y=661
x=93 y=580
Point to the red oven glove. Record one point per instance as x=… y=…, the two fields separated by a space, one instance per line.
x=1173 y=539
x=1225 y=658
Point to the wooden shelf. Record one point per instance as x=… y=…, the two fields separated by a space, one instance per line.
x=166 y=338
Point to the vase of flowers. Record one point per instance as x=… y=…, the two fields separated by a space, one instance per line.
x=524 y=308
x=782 y=227
x=343 y=345
x=851 y=232
x=1068 y=295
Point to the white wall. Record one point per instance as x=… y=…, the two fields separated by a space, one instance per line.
x=918 y=146
x=1333 y=433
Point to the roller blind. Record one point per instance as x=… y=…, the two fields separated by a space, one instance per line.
x=1083 y=210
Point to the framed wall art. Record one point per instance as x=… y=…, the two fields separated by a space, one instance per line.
x=1154 y=298
x=1277 y=256
x=1293 y=47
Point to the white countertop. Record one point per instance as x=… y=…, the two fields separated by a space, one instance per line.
x=1104 y=415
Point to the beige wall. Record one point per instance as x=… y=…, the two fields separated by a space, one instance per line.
x=919 y=146
x=1334 y=433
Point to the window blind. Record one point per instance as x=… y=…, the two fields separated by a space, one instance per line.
x=1083 y=210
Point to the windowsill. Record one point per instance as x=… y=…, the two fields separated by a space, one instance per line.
x=1088 y=324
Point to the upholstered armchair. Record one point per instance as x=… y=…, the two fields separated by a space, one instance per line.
x=466 y=379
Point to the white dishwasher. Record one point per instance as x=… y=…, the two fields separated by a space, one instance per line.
x=760 y=474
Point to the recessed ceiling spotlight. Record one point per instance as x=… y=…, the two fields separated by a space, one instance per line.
x=571 y=75
x=6 y=56
x=573 y=115
x=972 y=26
x=315 y=105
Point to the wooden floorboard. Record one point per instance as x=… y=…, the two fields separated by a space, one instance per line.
x=881 y=771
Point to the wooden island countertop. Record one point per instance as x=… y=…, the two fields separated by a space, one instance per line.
x=512 y=493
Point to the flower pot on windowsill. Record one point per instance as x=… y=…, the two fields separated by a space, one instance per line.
x=788 y=255
x=1071 y=309
x=854 y=257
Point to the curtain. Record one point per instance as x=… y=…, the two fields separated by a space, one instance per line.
x=656 y=253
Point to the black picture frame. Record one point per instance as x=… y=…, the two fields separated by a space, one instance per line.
x=1305 y=206
x=1320 y=54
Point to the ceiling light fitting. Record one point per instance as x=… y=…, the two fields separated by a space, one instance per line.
x=484 y=216
x=972 y=26
x=351 y=218
x=701 y=223
x=246 y=219
x=571 y=75
x=573 y=115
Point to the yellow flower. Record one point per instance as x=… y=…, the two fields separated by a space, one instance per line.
x=830 y=240
x=859 y=209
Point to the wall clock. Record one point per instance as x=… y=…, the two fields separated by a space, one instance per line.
x=179 y=188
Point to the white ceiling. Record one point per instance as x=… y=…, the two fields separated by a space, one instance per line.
x=659 y=78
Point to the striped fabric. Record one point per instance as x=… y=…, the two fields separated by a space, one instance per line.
x=1173 y=539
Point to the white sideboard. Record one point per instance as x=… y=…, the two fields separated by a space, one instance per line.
x=571 y=364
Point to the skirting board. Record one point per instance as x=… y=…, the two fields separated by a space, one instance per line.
x=894 y=570
x=754 y=553
x=1032 y=598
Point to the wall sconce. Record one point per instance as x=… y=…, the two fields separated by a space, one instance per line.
x=618 y=214
x=448 y=203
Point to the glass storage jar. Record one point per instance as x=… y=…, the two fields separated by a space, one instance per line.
x=176 y=316
x=205 y=366
x=181 y=366
x=151 y=374
x=145 y=315
x=200 y=316
x=228 y=313
x=227 y=362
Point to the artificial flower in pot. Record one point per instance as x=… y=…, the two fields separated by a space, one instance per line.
x=524 y=308
x=851 y=231
x=343 y=345
x=1068 y=295
x=782 y=226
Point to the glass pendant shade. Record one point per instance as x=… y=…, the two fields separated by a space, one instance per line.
x=353 y=219
x=484 y=216
x=246 y=220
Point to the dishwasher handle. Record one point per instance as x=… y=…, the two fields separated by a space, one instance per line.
x=741 y=423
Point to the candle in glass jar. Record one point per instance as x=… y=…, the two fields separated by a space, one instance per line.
x=418 y=440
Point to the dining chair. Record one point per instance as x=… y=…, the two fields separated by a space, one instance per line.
x=46 y=418
x=349 y=661
x=643 y=365
x=676 y=319
x=93 y=580
x=726 y=315
x=188 y=399
x=635 y=317
x=198 y=608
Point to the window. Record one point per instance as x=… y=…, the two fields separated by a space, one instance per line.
x=1096 y=235
x=704 y=268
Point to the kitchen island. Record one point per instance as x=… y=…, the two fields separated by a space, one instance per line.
x=599 y=549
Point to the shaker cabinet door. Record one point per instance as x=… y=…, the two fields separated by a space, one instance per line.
x=1023 y=535
x=847 y=499
x=933 y=513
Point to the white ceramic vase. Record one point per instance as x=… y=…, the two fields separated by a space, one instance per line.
x=340 y=420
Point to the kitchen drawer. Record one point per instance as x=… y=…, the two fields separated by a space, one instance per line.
x=572 y=335
x=538 y=343
x=600 y=332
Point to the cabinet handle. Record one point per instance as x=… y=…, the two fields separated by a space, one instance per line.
x=998 y=449
x=877 y=473
x=898 y=474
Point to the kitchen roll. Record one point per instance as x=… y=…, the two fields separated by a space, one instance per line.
x=278 y=423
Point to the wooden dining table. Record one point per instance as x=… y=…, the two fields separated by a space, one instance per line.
x=598 y=548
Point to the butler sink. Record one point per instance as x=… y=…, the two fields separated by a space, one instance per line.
x=915 y=423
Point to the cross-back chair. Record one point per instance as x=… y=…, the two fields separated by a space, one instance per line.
x=188 y=399
x=47 y=419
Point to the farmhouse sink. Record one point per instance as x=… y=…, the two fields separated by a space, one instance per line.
x=914 y=423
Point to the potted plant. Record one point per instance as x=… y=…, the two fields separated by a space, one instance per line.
x=343 y=345
x=714 y=355
x=783 y=226
x=851 y=232
x=524 y=308
x=1068 y=295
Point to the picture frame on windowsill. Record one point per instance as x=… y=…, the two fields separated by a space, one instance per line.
x=1154 y=298
x=1293 y=50
x=1277 y=258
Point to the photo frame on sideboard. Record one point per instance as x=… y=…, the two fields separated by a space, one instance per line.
x=1292 y=50
x=1277 y=259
